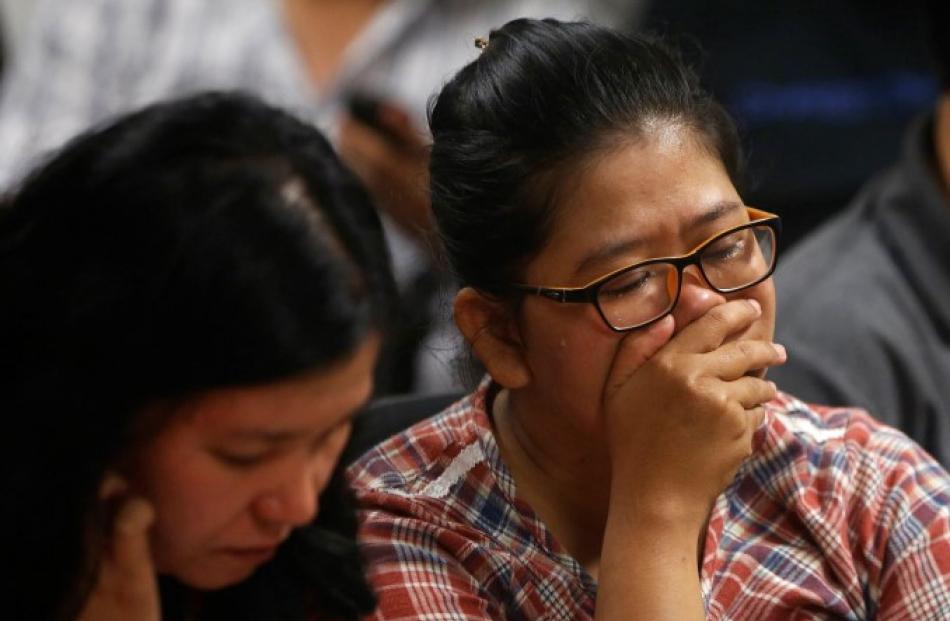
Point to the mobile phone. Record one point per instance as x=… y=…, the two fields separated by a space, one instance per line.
x=365 y=107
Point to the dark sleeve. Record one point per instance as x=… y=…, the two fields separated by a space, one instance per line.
x=851 y=362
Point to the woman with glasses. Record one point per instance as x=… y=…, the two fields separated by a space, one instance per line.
x=192 y=303
x=625 y=457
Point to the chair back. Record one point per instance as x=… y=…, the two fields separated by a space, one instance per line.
x=388 y=416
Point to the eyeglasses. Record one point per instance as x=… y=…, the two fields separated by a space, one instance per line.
x=645 y=292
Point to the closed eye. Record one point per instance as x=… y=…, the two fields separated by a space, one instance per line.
x=631 y=282
x=731 y=247
x=243 y=460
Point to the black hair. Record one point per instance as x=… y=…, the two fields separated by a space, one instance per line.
x=938 y=16
x=542 y=98
x=208 y=242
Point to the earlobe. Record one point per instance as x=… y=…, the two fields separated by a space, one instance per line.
x=487 y=325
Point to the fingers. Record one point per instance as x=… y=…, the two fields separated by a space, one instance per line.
x=398 y=179
x=638 y=347
x=397 y=121
x=756 y=418
x=131 y=554
x=367 y=152
x=126 y=585
x=128 y=544
x=735 y=359
x=712 y=329
x=751 y=392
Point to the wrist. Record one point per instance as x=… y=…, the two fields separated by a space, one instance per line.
x=659 y=511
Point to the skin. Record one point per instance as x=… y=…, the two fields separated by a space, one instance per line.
x=210 y=497
x=942 y=141
x=396 y=172
x=623 y=441
x=323 y=29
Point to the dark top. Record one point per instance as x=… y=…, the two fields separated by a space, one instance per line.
x=864 y=304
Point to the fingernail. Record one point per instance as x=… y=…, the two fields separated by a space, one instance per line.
x=780 y=350
x=774 y=387
x=755 y=306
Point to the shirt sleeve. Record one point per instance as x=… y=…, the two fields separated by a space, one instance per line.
x=422 y=571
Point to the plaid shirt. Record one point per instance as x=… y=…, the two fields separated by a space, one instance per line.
x=835 y=516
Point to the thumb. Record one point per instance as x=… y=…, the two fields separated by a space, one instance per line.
x=131 y=553
x=637 y=348
x=126 y=587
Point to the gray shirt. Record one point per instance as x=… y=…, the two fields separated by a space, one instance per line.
x=864 y=303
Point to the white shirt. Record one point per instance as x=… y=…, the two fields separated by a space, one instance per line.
x=83 y=61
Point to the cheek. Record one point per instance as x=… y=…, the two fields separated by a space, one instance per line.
x=764 y=294
x=195 y=503
x=566 y=337
x=570 y=357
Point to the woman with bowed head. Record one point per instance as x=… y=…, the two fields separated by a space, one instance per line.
x=625 y=456
x=193 y=299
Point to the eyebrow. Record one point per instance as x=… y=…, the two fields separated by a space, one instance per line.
x=622 y=247
x=275 y=436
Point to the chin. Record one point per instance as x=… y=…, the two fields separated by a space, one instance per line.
x=214 y=576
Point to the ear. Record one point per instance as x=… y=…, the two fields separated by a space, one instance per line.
x=490 y=329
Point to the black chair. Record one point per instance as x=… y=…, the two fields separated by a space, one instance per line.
x=390 y=415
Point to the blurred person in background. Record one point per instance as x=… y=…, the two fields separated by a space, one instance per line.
x=362 y=70
x=193 y=300
x=14 y=15
x=865 y=301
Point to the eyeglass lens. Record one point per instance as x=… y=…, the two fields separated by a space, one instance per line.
x=729 y=263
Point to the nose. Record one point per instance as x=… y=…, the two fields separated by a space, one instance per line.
x=293 y=503
x=696 y=298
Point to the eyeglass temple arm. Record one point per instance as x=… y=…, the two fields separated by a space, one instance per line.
x=761 y=214
x=558 y=295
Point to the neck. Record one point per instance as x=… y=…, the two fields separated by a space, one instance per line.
x=559 y=471
x=942 y=142
x=323 y=30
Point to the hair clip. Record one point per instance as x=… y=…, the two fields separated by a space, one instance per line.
x=481 y=43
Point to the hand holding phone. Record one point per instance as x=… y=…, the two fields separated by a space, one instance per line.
x=370 y=110
x=383 y=146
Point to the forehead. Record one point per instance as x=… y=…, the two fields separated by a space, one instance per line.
x=302 y=404
x=651 y=191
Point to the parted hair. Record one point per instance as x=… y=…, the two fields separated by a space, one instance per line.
x=543 y=97
x=196 y=244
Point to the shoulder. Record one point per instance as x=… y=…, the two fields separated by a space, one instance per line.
x=793 y=422
x=849 y=316
x=443 y=534
x=822 y=456
x=857 y=511
x=442 y=472
x=412 y=462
